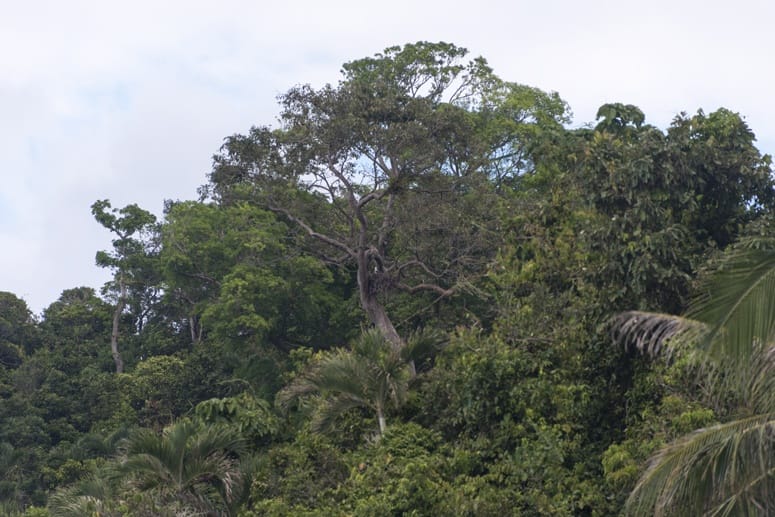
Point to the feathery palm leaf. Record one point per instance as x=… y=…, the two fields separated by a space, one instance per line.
x=728 y=469
x=66 y=504
x=197 y=465
x=93 y=495
x=373 y=375
x=735 y=312
x=739 y=305
x=423 y=345
x=652 y=333
x=330 y=408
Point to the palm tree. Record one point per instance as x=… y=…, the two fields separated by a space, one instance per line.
x=191 y=465
x=94 y=495
x=729 y=468
x=373 y=374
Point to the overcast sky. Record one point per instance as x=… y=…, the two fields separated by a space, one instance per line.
x=129 y=100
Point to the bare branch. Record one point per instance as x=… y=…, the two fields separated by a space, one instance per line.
x=331 y=189
x=390 y=171
x=343 y=178
x=202 y=276
x=336 y=261
x=411 y=289
x=420 y=264
x=312 y=233
x=374 y=253
x=386 y=220
x=372 y=196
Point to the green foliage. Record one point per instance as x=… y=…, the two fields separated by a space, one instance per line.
x=252 y=417
x=299 y=475
x=231 y=275
x=132 y=260
x=733 y=350
x=522 y=416
x=420 y=192
x=373 y=374
x=18 y=332
x=193 y=466
x=399 y=477
x=395 y=172
x=618 y=117
x=75 y=323
x=155 y=390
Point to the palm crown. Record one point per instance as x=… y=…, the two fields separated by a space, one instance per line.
x=372 y=374
x=195 y=466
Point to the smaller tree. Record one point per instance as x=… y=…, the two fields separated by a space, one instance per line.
x=128 y=259
x=194 y=466
x=18 y=334
x=373 y=375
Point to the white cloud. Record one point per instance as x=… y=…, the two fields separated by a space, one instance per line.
x=128 y=101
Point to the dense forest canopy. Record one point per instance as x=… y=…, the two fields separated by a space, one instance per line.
x=422 y=293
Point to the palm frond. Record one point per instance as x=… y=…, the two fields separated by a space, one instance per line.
x=749 y=386
x=727 y=469
x=372 y=374
x=654 y=333
x=423 y=344
x=739 y=305
x=65 y=503
x=330 y=408
x=149 y=472
x=370 y=345
x=204 y=441
x=188 y=462
x=147 y=442
x=721 y=470
x=339 y=371
x=218 y=472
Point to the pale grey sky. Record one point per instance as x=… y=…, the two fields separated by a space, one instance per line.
x=129 y=100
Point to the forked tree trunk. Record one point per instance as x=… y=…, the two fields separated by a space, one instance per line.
x=374 y=309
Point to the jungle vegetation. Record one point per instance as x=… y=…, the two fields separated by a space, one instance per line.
x=425 y=291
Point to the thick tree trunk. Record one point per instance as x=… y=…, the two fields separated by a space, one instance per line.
x=380 y=319
x=196 y=334
x=116 y=318
x=374 y=309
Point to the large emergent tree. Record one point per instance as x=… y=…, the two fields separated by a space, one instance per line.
x=131 y=226
x=396 y=170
